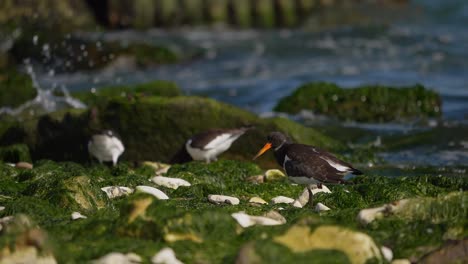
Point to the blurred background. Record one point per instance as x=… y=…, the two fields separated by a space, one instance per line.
x=249 y=53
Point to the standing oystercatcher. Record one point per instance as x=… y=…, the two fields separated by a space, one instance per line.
x=209 y=144
x=307 y=164
x=106 y=146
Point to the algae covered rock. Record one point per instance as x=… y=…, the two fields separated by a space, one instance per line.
x=365 y=103
x=15 y=88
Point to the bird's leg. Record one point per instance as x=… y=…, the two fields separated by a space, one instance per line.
x=311 y=195
x=319 y=185
x=114 y=160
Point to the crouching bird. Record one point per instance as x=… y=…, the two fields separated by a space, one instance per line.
x=307 y=164
x=210 y=144
x=106 y=146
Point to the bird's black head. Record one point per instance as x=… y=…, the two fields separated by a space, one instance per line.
x=277 y=139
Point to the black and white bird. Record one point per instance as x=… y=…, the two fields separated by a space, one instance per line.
x=307 y=164
x=106 y=146
x=208 y=145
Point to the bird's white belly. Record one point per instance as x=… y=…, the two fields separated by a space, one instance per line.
x=209 y=154
x=105 y=148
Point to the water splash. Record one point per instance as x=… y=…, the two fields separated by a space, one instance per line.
x=46 y=101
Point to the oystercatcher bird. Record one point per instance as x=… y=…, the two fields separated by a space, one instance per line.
x=307 y=164
x=208 y=145
x=106 y=146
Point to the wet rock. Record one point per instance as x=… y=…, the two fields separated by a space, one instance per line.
x=118 y=258
x=276 y=216
x=77 y=215
x=165 y=256
x=359 y=247
x=273 y=175
x=316 y=190
x=364 y=104
x=116 y=191
x=282 y=199
x=2 y=208
x=257 y=200
x=450 y=252
x=320 y=207
x=256 y=179
x=246 y=220
x=172 y=183
x=367 y=216
x=159 y=168
x=218 y=199
x=153 y=191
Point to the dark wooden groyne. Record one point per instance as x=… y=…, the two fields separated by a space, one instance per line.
x=235 y=13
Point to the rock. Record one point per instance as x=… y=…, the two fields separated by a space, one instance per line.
x=387 y=253
x=303 y=199
x=2 y=208
x=273 y=175
x=282 y=199
x=365 y=103
x=165 y=256
x=321 y=207
x=246 y=220
x=248 y=254
x=256 y=179
x=217 y=199
x=116 y=191
x=324 y=189
x=153 y=191
x=77 y=215
x=359 y=247
x=257 y=200
x=172 y=183
x=24 y=165
x=276 y=216
x=450 y=252
x=4 y=221
x=401 y=261
x=367 y=216
x=118 y=258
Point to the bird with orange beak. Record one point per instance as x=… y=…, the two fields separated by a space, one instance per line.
x=307 y=165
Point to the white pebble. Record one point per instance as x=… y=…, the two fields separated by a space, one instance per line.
x=77 y=215
x=246 y=220
x=257 y=200
x=165 y=256
x=2 y=208
x=153 y=191
x=172 y=183
x=401 y=261
x=118 y=258
x=387 y=253
x=282 y=199
x=321 y=207
x=316 y=190
x=116 y=191
x=366 y=216
x=215 y=198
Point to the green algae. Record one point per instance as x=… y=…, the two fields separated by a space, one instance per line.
x=371 y=103
x=200 y=231
x=15 y=153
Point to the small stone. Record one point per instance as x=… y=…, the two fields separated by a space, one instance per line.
x=120 y=258
x=217 y=199
x=387 y=253
x=256 y=179
x=302 y=200
x=366 y=216
x=77 y=215
x=153 y=191
x=273 y=175
x=246 y=220
x=116 y=191
x=2 y=208
x=276 y=216
x=172 y=183
x=401 y=261
x=321 y=207
x=282 y=199
x=316 y=190
x=165 y=256
x=159 y=168
x=257 y=200
x=24 y=165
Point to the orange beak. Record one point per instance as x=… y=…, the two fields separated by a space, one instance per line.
x=263 y=150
